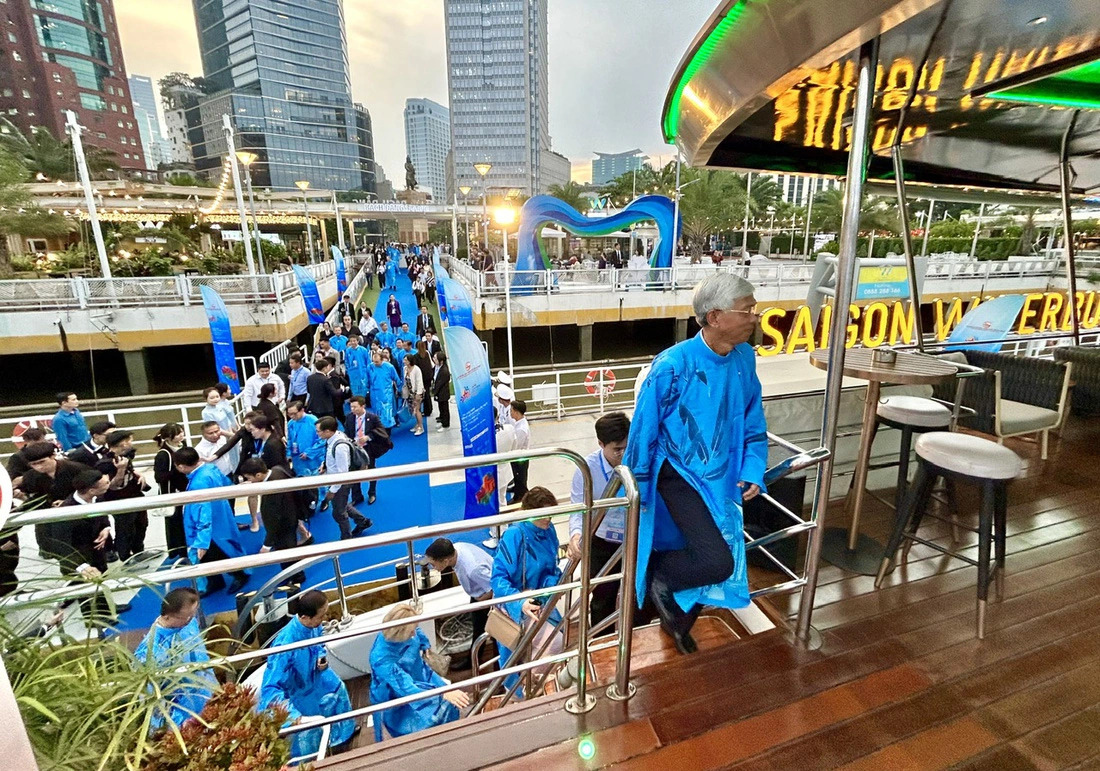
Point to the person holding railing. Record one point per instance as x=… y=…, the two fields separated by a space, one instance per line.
x=527 y=558
x=402 y=663
x=698 y=447
x=301 y=679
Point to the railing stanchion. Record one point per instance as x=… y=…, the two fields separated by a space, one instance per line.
x=622 y=689
x=412 y=573
x=584 y=701
x=340 y=591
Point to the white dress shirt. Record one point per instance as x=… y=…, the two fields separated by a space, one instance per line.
x=473 y=568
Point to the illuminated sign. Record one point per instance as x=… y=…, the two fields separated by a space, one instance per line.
x=879 y=323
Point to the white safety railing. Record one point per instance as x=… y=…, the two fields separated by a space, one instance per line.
x=154 y=291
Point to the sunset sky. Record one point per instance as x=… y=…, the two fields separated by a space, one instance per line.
x=610 y=65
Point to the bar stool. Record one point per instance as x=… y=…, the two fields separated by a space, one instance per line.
x=967 y=459
x=911 y=415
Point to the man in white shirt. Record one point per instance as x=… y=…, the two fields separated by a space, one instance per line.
x=612 y=430
x=252 y=386
x=472 y=566
x=212 y=441
x=522 y=441
x=504 y=395
x=338 y=461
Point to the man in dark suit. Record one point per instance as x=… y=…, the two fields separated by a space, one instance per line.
x=49 y=480
x=280 y=512
x=441 y=390
x=325 y=396
x=432 y=344
x=126 y=483
x=86 y=542
x=345 y=307
x=424 y=322
x=360 y=427
x=94 y=450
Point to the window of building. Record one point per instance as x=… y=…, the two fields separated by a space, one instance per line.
x=7 y=92
x=114 y=107
x=56 y=77
x=101 y=135
x=15 y=55
x=124 y=109
x=11 y=37
x=92 y=102
x=26 y=94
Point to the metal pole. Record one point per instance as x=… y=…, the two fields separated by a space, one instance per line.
x=809 y=213
x=927 y=228
x=255 y=219
x=584 y=701
x=340 y=591
x=309 y=227
x=466 y=219
x=508 y=304
x=977 y=230
x=845 y=281
x=454 y=226
x=339 y=222
x=413 y=588
x=89 y=198
x=1067 y=223
x=745 y=229
x=907 y=245
x=246 y=237
x=676 y=209
x=485 y=211
x=622 y=689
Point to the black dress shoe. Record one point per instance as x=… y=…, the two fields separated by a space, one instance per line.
x=306 y=542
x=112 y=556
x=361 y=528
x=238 y=584
x=673 y=619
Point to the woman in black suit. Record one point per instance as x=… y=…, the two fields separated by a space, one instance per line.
x=266 y=406
x=170 y=480
x=441 y=390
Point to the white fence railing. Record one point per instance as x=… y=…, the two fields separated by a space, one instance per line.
x=590 y=279
x=156 y=291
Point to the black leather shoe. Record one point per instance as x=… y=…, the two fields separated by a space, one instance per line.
x=673 y=619
x=238 y=584
x=361 y=528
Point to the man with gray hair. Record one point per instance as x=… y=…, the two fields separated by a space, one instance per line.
x=698 y=447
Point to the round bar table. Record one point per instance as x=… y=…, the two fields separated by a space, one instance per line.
x=850 y=550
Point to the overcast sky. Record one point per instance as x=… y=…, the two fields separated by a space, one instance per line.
x=610 y=65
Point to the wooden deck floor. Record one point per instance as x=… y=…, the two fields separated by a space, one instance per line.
x=899 y=682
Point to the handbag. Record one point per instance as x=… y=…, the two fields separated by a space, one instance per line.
x=499 y=625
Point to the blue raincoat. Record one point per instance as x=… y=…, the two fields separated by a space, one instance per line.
x=293 y=678
x=302 y=439
x=408 y=337
x=399 y=358
x=386 y=339
x=209 y=522
x=526 y=558
x=172 y=648
x=398 y=669
x=383 y=378
x=356 y=364
x=339 y=342
x=703 y=414
x=391 y=274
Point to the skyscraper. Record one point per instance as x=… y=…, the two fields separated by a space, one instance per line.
x=497 y=75
x=58 y=55
x=608 y=166
x=148 y=120
x=280 y=71
x=427 y=143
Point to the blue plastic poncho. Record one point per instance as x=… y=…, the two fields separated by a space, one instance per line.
x=172 y=648
x=357 y=364
x=339 y=342
x=302 y=439
x=386 y=339
x=408 y=336
x=293 y=678
x=209 y=522
x=391 y=274
x=383 y=379
x=526 y=558
x=703 y=414
x=398 y=669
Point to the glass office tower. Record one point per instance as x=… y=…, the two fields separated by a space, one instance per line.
x=280 y=70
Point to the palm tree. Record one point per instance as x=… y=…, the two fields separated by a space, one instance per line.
x=18 y=213
x=874 y=214
x=572 y=194
x=44 y=154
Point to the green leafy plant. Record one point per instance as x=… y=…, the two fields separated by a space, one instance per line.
x=229 y=734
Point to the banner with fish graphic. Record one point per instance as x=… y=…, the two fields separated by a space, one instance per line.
x=992 y=320
x=221 y=334
x=341 y=271
x=459 y=306
x=310 y=295
x=473 y=392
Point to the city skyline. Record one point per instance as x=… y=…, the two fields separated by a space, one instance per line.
x=606 y=90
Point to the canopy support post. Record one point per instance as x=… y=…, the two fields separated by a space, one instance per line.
x=842 y=300
x=1067 y=223
x=907 y=245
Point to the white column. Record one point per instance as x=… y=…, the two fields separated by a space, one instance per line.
x=246 y=235
x=74 y=130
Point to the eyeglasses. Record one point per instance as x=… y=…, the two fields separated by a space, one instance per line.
x=750 y=312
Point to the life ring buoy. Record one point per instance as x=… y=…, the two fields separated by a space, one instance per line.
x=21 y=427
x=592 y=382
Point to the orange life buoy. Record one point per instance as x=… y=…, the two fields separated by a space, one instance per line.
x=592 y=381
x=22 y=426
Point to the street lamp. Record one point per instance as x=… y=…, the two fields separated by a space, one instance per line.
x=505 y=216
x=483 y=169
x=303 y=185
x=465 y=190
x=246 y=159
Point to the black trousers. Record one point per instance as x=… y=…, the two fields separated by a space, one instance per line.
x=444 y=404
x=478 y=618
x=130 y=533
x=370 y=279
x=426 y=401
x=706 y=558
x=174 y=535
x=281 y=526
x=519 y=479
x=213 y=554
x=340 y=511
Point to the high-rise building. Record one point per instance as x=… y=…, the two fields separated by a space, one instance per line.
x=497 y=76
x=796 y=188
x=180 y=94
x=428 y=143
x=58 y=55
x=280 y=71
x=608 y=166
x=148 y=120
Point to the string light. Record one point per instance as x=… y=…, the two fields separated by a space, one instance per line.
x=223 y=185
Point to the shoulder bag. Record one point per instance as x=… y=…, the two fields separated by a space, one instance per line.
x=499 y=625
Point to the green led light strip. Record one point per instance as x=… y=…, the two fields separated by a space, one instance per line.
x=1078 y=88
x=702 y=55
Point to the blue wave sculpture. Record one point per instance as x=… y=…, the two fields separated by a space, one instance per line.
x=543 y=210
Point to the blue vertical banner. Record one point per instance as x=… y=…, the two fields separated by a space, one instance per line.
x=310 y=295
x=460 y=308
x=473 y=392
x=992 y=320
x=441 y=297
x=221 y=334
x=341 y=271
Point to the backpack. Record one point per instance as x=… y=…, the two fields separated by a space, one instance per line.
x=357 y=460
